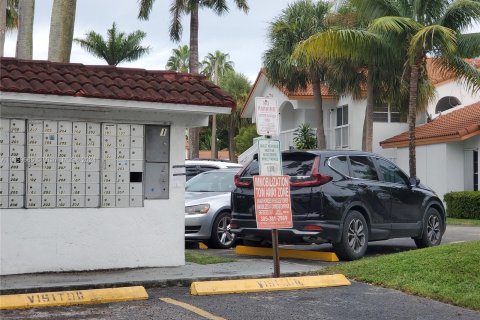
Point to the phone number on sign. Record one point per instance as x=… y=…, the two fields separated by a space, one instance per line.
x=273 y=218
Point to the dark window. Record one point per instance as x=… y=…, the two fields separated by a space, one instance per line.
x=363 y=168
x=390 y=172
x=475 y=170
x=340 y=165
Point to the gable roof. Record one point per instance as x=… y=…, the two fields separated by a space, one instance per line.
x=457 y=125
x=109 y=82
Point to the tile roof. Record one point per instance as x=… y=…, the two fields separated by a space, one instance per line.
x=109 y=82
x=457 y=125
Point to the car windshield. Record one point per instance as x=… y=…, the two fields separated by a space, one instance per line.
x=212 y=181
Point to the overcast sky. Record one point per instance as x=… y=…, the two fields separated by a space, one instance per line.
x=241 y=35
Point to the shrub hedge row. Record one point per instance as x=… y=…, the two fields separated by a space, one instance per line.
x=463 y=204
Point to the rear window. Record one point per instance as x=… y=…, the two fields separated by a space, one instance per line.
x=293 y=164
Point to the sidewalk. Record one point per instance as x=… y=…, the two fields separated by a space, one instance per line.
x=151 y=277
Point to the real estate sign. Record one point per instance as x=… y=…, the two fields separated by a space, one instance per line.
x=272 y=202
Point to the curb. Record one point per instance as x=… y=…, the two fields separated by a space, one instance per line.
x=179 y=282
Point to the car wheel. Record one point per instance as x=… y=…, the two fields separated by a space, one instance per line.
x=354 y=240
x=432 y=230
x=222 y=237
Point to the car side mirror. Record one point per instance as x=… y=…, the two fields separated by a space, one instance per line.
x=414 y=181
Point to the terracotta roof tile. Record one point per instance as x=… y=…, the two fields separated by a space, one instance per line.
x=108 y=82
x=456 y=125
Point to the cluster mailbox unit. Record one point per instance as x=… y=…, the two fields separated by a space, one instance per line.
x=68 y=164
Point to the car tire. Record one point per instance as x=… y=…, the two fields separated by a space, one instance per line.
x=432 y=229
x=222 y=237
x=354 y=240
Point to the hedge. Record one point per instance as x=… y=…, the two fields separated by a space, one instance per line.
x=463 y=204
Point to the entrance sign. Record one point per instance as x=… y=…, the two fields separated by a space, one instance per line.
x=272 y=202
x=269 y=157
x=266 y=117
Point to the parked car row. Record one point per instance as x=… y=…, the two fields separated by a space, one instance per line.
x=346 y=198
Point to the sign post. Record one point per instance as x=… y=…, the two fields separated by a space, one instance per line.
x=271 y=188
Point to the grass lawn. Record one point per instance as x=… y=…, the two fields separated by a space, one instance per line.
x=474 y=222
x=202 y=258
x=449 y=273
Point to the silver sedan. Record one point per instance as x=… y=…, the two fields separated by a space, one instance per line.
x=207 y=208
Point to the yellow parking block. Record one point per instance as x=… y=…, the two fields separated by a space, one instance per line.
x=267 y=284
x=67 y=298
x=288 y=253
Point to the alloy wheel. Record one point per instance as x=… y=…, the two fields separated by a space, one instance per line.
x=356 y=235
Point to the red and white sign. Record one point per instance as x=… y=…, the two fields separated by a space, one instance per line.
x=272 y=202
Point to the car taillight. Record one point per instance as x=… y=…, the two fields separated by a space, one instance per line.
x=242 y=183
x=316 y=179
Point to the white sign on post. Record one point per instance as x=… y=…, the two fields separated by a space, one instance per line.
x=269 y=157
x=266 y=117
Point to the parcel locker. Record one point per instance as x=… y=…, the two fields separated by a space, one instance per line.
x=17 y=125
x=92 y=201
x=93 y=129
x=157 y=143
x=34 y=201
x=92 y=189
x=156 y=180
x=122 y=201
x=49 y=201
x=35 y=126
x=50 y=126
x=15 y=201
x=64 y=127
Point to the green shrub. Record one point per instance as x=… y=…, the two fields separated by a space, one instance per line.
x=463 y=204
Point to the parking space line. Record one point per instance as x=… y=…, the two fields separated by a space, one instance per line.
x=189 y=307
x=288 y=253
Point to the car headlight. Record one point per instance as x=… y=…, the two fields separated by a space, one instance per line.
x=199 y=208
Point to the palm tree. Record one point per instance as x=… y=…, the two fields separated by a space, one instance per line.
x=61 y=30
x=238 y=86
x=24 y=48
x=8 y=20
x=428 y=28
x=178 y=61
x=117 y=48
x=296 y=23
x=214 y=66
x=178 y=8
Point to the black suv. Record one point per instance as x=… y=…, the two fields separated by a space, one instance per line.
x=346 y=198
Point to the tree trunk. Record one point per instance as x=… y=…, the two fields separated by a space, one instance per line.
x=61 y=30
x=214 y=152
x=3 y=25
x=412 y=118
x=369 y=113
x=317 y=98
x=24 y=48
x=194 y=133
x=231 y=138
